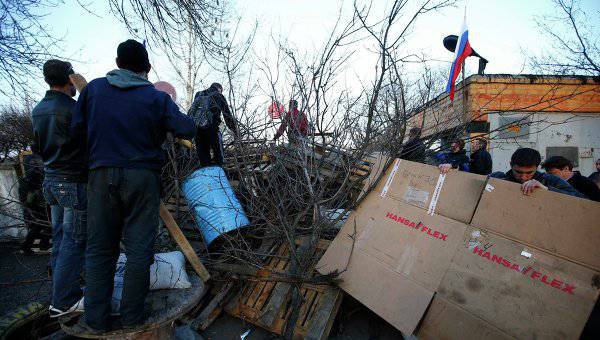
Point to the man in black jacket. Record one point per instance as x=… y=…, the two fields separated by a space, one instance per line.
x=64 y=187
x=563 y=168
x=595 y=176
x=524 y=163
x=414 y=149
x=481 y=160
x=206 y=111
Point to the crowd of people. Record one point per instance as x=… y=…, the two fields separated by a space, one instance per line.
x=103 y=156
x=102 y=159
x=558 y=176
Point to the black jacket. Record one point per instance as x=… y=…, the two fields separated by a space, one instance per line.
x=595 y=177
x=413 y=150
x=585 y=186
x=52 y=139
x=554 y=183
x=481 y=163
x=218 y=105
x=459 y=160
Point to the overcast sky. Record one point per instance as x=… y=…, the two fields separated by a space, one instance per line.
x=500 y=30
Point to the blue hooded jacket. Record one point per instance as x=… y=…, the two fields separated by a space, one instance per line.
x=124 y=121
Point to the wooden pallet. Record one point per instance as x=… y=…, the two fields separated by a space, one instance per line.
x=267 y=304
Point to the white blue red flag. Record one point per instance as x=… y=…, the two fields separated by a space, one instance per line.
x=462 y=51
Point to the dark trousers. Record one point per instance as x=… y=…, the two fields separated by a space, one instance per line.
x=208 y=139
x=122 y=204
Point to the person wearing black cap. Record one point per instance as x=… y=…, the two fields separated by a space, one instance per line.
x=206 y=111
x=64 y=188
x=123 y=120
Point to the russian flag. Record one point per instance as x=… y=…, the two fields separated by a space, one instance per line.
x=462 y=51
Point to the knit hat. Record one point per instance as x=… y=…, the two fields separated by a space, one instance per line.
x=132 y=56
x=56 y=72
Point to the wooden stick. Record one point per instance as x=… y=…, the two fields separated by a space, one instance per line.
x=183 y=243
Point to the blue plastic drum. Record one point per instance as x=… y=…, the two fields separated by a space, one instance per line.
x=215 y=206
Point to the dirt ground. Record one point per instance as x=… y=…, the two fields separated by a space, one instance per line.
x=16 y=268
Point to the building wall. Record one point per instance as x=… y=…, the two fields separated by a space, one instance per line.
x=549 y=130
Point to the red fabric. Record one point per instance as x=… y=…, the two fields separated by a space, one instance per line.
x=296 y=122
x=275 y=110
x=459 y=63
x=166 y=87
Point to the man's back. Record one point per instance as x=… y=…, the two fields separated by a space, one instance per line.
x=481 y=163
x=414 y=150
x=217 y=105
x=127 y=120
x=53 y=141
x=585 y=186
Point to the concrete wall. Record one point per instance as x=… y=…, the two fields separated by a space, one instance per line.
x=11 y=213
x=548 y=130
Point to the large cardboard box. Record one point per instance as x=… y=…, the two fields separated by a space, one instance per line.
x=524 y=292
x=564 y=225
x=454 y=195
x=392 y=257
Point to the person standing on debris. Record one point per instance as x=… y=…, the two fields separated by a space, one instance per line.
x=206 y=111
x=481 y=160
x=414 y=149
x=64 y=188
x=595 y=176
x=295 y=122
x=563 y=168
x=524 y=164
x=124 y=120
x=456 y=159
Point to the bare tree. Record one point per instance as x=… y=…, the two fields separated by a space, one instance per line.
x=16 y=132
x=25 y=42
x=574 y=37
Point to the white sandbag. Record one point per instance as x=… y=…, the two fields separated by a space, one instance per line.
x=167 y=272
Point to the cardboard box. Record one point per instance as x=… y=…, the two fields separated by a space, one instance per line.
x=564 y=225
x=413 y=183
x=447 y=321
x=392 y=257
x=526 y=293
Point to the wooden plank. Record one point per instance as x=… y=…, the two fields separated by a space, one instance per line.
x=271 y=308
x=322 y=320
x=183 y=243
x=212 y=310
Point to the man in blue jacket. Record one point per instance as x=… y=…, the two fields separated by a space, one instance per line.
x=124 y=121
x=524 y=164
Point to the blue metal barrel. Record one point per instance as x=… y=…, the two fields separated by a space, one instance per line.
x=215 y=206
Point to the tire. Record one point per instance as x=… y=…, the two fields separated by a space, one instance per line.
x=12 y=323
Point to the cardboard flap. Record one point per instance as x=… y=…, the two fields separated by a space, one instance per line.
x=415 y=184
x=389 y=251
x=565 y=225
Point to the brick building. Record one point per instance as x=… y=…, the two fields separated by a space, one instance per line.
x=557 y=115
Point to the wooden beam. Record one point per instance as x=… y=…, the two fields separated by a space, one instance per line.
x=183 y=243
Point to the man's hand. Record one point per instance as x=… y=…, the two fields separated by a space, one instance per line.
x=529 y=186
x=78 y=81
x=444 y=168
